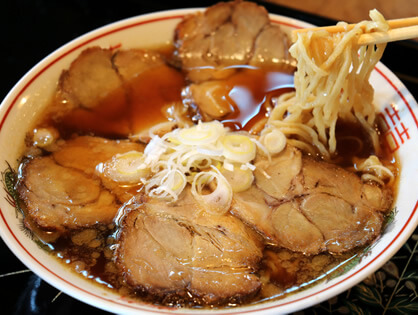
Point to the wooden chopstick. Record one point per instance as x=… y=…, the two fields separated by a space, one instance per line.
x=400 y=29
x=389 y=36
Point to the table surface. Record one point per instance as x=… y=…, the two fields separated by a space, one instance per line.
x=354 y=11
x=31 y=29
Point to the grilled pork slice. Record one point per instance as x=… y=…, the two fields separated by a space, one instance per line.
x=179 y=248
x=290 y=174
x=88 y=154
x=281 y=224
x=133 y=62
x=271 y=49
x=99 y=73
x=90 y=78
x=58 y=198
x=228 y=34
x=63 y=190
x=310 y=206
x=98 y=90
x=85 y=152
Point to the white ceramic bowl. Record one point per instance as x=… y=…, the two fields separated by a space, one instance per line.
x=23 y=105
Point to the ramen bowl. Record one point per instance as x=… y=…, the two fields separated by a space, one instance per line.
x=24 y=105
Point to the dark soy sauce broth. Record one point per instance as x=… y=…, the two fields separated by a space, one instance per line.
x=249 y=92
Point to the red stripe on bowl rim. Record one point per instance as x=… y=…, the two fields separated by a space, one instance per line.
x=399 y=93
x=157 y=308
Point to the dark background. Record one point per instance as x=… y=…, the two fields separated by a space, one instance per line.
x=32 y=29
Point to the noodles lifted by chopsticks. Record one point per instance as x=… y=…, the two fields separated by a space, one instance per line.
x=331 y=82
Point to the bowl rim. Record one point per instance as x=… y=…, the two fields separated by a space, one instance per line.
x=19 y=250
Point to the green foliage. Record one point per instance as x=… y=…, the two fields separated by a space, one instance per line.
x=349 y=264
x=411 y=275
x=9 y=179
x=403 y=306
x=42 y=245
x=368 y=295
x=356 y=309
x=393 y=291
x=389 y=218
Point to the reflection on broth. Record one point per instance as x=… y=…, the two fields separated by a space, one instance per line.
x=242 y=101
x=250 y=96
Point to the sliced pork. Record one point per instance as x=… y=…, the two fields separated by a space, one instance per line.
x=105 y=91
x=280 y=179
x=180 y=248
x=281 y=224
x=88 y=154
x=98 y=73
x=228 y=34
x=58 y=198
x=64 y=191
x=311 y=206
x=85 y=153
x=90 y=78
x=133 y=62
x=271 y=49
x=343 y=225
